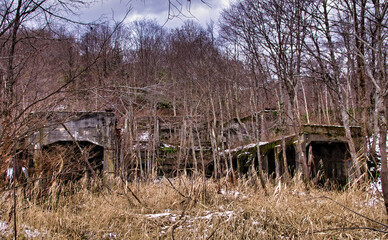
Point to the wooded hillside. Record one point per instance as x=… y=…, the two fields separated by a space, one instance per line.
x=270 y=66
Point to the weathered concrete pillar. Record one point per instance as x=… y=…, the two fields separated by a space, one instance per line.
x=37 y=153
x=278 y=161
x=109 y=144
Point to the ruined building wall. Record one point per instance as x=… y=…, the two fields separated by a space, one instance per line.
x=98 y=128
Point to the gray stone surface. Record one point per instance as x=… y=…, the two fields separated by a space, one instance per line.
x=98 y=128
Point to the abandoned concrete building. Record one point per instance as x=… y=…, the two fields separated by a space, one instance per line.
x=94 y=129
x=325 y=146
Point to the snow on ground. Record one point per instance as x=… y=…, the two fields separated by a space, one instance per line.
x=377 y=143
x=10 y=173
x=167 y=220
x=376 y=192
x=232 y=193
x=375 y=187
x=3 y=228
x=29 y=232
x=207 y=215
x=158 y=215
x=110 y=235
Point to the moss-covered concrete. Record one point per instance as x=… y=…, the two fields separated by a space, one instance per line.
x=308 y=133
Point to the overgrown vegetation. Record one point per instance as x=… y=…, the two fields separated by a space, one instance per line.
x=272 y=67
x=184 y=208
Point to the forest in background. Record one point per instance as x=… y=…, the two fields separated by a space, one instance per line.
x=315 y=62
x=266 y=66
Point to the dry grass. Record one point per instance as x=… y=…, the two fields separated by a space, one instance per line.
x=196 y=209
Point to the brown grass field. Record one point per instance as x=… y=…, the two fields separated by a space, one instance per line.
x=184 y=208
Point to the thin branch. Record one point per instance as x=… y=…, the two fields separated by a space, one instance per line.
x=345 y=207
x=349 y=228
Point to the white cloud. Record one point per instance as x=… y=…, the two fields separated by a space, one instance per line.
x=154 y=9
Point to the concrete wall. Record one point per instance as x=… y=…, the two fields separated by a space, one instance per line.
x=98 y=128
x=328 y=145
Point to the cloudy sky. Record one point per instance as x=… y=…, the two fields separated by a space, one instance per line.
x=156 y=9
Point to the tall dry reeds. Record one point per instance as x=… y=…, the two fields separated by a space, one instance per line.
x=194 y=208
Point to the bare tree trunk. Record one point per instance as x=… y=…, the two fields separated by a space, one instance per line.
x=360 y=38
x=348 y=134
x=200 y=151
x=375 y=123
x=282 y=127
x=344 y=113
x=192 y=142
x=383 y=149
x=183 y=153
x=222 y=135
x=213 y=137
x=381 y=93
x=327 y=106
x=305 y=104
x=230 y=157
x=229 y=116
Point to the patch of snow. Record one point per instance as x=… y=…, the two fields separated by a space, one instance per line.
x=3 y=228
x=294 y=192
x=144 y=136
x=10 y=173
x=141 y=146
x=376 y=191
x=376 y=186
x=158 y=180
x=32 y=233
x=28 y=231
x=167 y=145
x=377 y=149
x=158 y=215
x=251 y=145
x=112 y=235
x=232 y=193
x=60 y=108
x=373 y=201
x=210 y=215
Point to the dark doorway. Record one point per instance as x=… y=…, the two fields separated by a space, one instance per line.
x=65 y=160
x=270 y=162
x=331 y=159
x=290 y=155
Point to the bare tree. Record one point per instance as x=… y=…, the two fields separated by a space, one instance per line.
x=330 y=62
x=273 y=32
x=377 y=72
